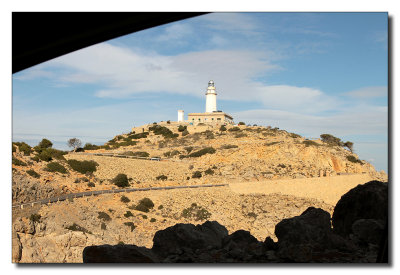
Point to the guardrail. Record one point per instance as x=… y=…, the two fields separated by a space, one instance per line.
x=112 y=191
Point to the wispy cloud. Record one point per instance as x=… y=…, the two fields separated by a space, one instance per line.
x=369 y=92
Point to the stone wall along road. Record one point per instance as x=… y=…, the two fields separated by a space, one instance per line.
x=328 y=189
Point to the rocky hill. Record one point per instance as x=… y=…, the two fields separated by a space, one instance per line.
x=189 y=155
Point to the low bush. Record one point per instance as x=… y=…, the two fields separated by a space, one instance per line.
x=188 y=149
x=139 y=136
x=91 y=184
x=128 y=214
x=32 y=173
x=76 y=227
x=271 y=143
x=45 y=143
x=83 y=166
x=252 y=215
x=121 y=180
x=209 y=171
x=196 y=175
x=293 y=135
x=131 y=225
x=207 y=150
x=125 y=199
x=141 y=154
x=182 y=128
x=161 y=177
x=222 y=128
x=104 y=216
x=18 y=162
x=234 y=129
x=240 y=135
x=153 y=220
x=353 y=159
x=185 y=133
x=45 y=156
x=171 y=153
x=229 y=146
x=56 y=167
x=241 y=123
x=310 y=143
x=35 y=217
x=144 y=217
x=332 y=140
x=103 y=226
x=164 y=131
x=24 y=148
x=89 y=146
x=144 y=205
x=196 y=212
x=160 y=207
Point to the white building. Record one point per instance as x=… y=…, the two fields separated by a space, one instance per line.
x=211 y=115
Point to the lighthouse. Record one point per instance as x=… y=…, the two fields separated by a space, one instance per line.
x=211 y=98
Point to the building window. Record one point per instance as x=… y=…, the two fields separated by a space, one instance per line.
x=219 y=118
x=212 y=118
x=193 y=119
x=205 y=119
x=199 y=119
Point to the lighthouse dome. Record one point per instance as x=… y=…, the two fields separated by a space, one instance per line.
x=210 y=83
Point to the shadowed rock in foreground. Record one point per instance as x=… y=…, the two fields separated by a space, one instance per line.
x=305 y=238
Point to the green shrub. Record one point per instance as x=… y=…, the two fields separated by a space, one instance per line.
x=139 y=136
x=141 y=154
x=271 y=143
x=125 y=199
x=207 y=150
x=45 y=156
x=182 y=128
x=131 y=225
x=185 y=133
x=241 y=123
x=56 y=154
x=104 y=216
x=32 y=173
x=55 y=167
x=152 y=220
x=164 y=131
x=293 y=135
x=76 y=227
x=197 y=212
x=188 y=149
x=332 y=140
x=128 y=214
x=144 y=205
x=229 y=146
x=160 y=207
x=35 y=217
x=24 y=148
x=121 y=180
x=240 y=135
x=353 y=159
x=171 y=153
x=91 y=184
x=121 y=242
x=209 y=171
x=222 y=128
x=161 y=177
x=83 y=166
x=89 y=146
x=18 y=162
x=310 y=143
x=196 y=175
x=45 y=143
x=234 y=129
x=252 y=215
x=103 y=226
x=144 y=217
x=349 y=145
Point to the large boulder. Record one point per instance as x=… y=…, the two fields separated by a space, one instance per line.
x=300 y=236
x=118 y=254
x=183 y=237
x=368 y=230
x=367 y=201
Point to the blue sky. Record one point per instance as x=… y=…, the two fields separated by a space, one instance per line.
x=308 y=73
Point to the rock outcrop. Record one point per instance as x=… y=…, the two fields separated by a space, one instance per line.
x=367 y=201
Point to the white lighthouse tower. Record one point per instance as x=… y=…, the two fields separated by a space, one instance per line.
x=211 y=98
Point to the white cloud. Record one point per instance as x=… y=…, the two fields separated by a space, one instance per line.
x=231 y=22
x=369 y=92
x=174 y=32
